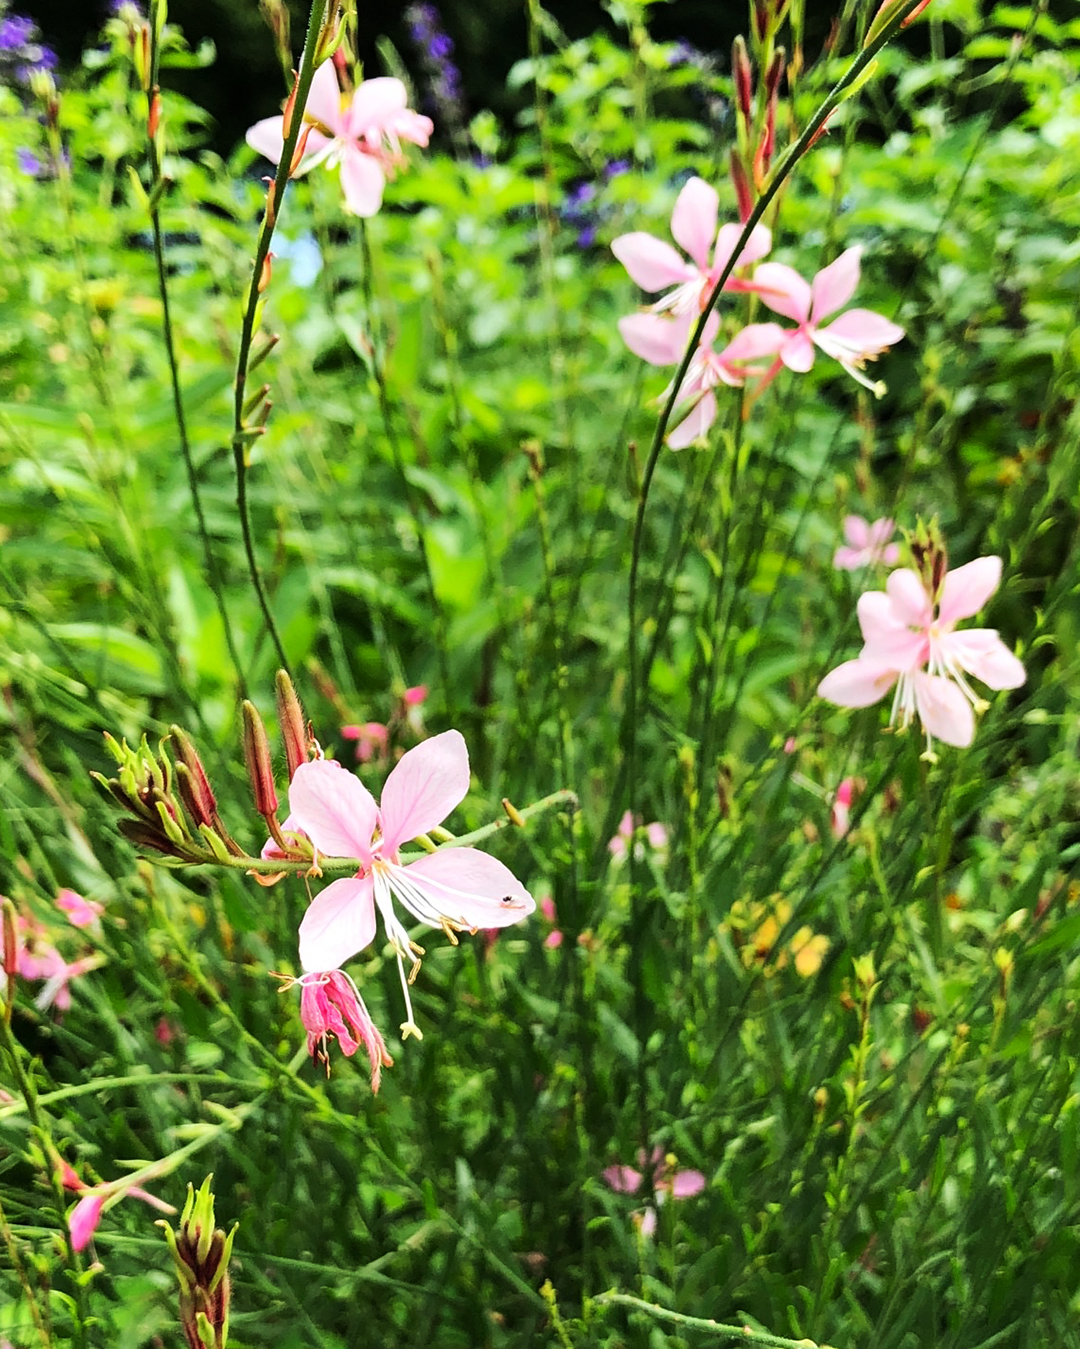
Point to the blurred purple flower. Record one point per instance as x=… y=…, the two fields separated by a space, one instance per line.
x=436 y=50
x=28 y=162
x=16 y=32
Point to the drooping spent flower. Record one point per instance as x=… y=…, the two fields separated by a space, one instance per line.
x=455 y=889
x=910 y=642
x=359 y=133
x=331 y=1006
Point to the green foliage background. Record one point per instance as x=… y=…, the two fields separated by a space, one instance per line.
x=446 y=496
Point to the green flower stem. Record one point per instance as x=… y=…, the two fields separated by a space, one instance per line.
x=40 y=1124
x=240 y=440
x=11 y=1245
x=157 y=188
x=263 y=866
x=747 y=1334
x=101 y=1084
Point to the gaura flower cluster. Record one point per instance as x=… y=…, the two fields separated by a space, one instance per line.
x=359 y=133
x=659 y=335
x=452 y=888
x=666 y=1180
x=910 y=644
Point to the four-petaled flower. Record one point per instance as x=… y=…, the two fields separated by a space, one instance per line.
x=910 y=642
x=853 y=339
x=454 y=889
x=867 y=544
x=362 y=134
x=666 y=1181
x=654 y=265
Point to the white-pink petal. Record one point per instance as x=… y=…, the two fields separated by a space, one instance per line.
x=783 y=290
x=362 y=181
x=624 y=1179
x=857 y=335
x=425 y=785
x=684 y=1184
x=265 y=137
x=655 y=338
x=695 y=424
x=324 y=101
x=797 y=353
x=754 y=341
x=693 y=221
x=339 y=922
x=835 y=285
x=334 y=808
x=943 y=710
x=857 y=531
x=968 y=588
x=757 y=246
x=982 y=653
x=470 y=887
x=857 y=683
x=909 y=598
x=653 y=265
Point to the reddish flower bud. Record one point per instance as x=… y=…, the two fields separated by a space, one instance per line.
x=291 y=718
x=265 y=272
x=744 y=193
x=191 y=780
x=154 y=117
x=257 y=756
x=743 y=72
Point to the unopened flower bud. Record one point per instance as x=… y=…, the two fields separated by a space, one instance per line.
x=744 y=78
x=744 y=193
x=153 y=120
x=11 y=951
x=773 y=74
x=191 y=780
x=761 y=11
x=265 y=272
x=291 y=719
x=201 y=1254
x=257 y=756
x=140 y=54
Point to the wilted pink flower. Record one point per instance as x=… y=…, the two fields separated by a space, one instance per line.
x=331 y=1005
x=869 y=544
x=85 y=1216
x=655 y=834
x=909 y=641
x=841 y=808
x=853 y=339
x=666 y=1181
x=362 y=134
x=372 y=740
x=81 y=912
x=654 y=265
x=454 y=889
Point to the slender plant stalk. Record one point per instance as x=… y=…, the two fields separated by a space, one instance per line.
x=243 y=435
x=158 y=185
x=747 y=1334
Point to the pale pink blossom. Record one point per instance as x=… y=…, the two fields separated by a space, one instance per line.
x=84 y=1219
x=654 y=265
x=655 y=835
x=868 y=544
x=666 y=1181
x=81 y=912
x=854 y=338
x=372 y=740
x=361 y=134
x=455 y=889
x=910 y=641
x=554 y=938
x=415 y=696
x=841 y=808
x=331 y=1006
x=37 y=959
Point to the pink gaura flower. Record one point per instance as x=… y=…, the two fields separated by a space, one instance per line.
x=36 y=958
x=654 y=265
x=554 y=938
x=655 y=834
x=331 y=1005
x=662 y=341
x=910 y=641
x=868 y=544
x=81 y=912
x=372 y=740
x=666 y=1181
x=854 y=338
x=841 y=808
x=454 y=889
x=361 y=134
